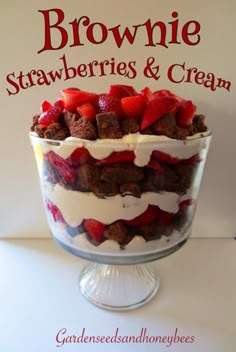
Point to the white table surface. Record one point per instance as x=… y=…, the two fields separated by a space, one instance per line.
x=40 y=296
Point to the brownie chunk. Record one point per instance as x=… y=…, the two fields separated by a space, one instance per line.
x=161 y=181
x=88 y=176
x=105 y=189
x=120 y=174
x=40 y=130
x=56 y=131
x=108 y=126
x=129 y=126
x=34 y=122
x=118 y=232
x=185 y=173
x=198 y=123
x=151 y=231
x=83 y=128
x=68 y=118
x=165 y=125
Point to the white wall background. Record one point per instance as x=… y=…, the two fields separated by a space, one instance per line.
x=22 y=36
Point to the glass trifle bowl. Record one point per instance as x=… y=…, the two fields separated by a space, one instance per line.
x=120 y=204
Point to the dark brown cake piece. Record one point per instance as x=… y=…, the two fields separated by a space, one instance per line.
x=88 y=177
x=122 y=173
x=151 y=232
x=108 y=126
x=83 y=128
x=129 y=126
x=68 y=118
x=56 y=131
x=105 y=189
x=118 y=232
x=165 y=125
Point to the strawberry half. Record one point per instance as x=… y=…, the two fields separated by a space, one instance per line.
x=164 y=157
x=154 y=164
x=147 y=217
x=79 y=156
x=73 y=97
x=45 y=106
x=87 y=110
x=66 y=172
x=147 y=93
x=117 y=157
x=108 y=103
x=51 y=114
x=185 y=114
x=121 y=90
x=95 y=229
x=134 y=106
x=156 y=108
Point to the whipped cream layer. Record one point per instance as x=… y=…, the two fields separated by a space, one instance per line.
x=76 y=206
x=141 y=145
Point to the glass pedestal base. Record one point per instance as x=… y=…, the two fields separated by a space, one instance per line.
x=118 y=287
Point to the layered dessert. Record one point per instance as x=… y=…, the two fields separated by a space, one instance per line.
x=120 y=171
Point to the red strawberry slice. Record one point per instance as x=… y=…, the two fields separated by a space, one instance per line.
x=147 y=217
x=121 y=90
x=95 y=229
x=147 y=93
x=108 y=103
x=55 y=211
x=133 y=107
x=185 y=113
x=51 y=115
x=45 y=106
x=79 y=156
x=87 y=110
x=164 y=157
x=156 y=108
x=193 y=159
x=155 y=165
x=117 y=157
x=66 y=172
x=73 y=97
x=186 y=203
x=167 y=93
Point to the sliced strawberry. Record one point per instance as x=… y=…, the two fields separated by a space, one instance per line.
x=155 y=165
x=51 y=115
x=73 y=97
x=45 y=106
x=164 y=157
x=63 y=168
x=55 y=211
x=185 y=114
x=193 y=159
x=147 y=217
x=117 y=157
x=186 y=203
x=108 y=103
x=156 y=108
x=87 y=110
x=94 y=228
x=121 y=90
x=79 y=156
x=134 y=106
x=148 y=94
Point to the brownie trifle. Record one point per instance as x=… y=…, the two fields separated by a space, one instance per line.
x=119 y=170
